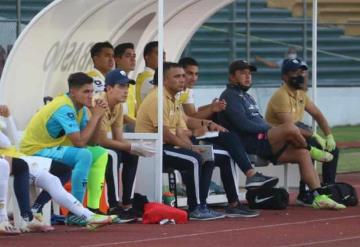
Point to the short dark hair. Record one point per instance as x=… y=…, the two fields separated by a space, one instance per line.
x=121 y=48
x=169 y=65
x=149 y=46
x=78 y=79
x=97 y=47
x=188 y=61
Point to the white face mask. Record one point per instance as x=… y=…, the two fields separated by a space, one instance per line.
x=292 y=55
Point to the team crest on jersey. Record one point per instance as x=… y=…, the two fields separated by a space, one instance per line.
x=70 y=115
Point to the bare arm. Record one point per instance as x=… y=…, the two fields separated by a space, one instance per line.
x=172 y=139
x=81 y=138
x=117 y=142
x=319 y=117
x=266 y=62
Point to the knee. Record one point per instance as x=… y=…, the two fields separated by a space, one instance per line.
x=85 y=156
x=19 y=166
x=45 y=179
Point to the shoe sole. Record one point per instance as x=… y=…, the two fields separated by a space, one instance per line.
x=316 y=206
x=301 y=203
x=268 y=184
x=241 y=215
x=212 y=218
x=123 y=221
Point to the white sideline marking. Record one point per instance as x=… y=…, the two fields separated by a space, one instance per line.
x=224 y=231
x=321 y=242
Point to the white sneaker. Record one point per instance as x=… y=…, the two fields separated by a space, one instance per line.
x=6 y=228
x=35 y=226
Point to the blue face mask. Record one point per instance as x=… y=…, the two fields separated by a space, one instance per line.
x=297 y=82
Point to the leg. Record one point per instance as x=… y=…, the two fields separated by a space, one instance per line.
x=96 y=176
x=232 y=143
x=285 y=134
x=223 y=161
x=188 y=163
x=79 y=159
x=62 y=172
x=112 y=177
x=20 y=170
x=4 y=180
x=307 y=171
x=128 y=177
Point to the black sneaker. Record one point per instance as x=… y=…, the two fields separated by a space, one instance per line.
x=124 y=216
x=240 y=211
x=260 y=180
x=305 y=198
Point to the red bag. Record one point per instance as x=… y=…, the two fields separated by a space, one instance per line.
x=154 y=212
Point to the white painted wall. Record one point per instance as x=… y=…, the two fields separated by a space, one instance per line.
x=339 y=105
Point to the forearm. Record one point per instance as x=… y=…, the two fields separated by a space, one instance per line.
x=174 y=140
x=11 y=130
x=88 y=132
x=4 y=141
x=115 y=144
x=204 y=112
x=323 y=124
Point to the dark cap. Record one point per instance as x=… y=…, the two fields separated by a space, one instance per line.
x=117 y=76
x=293 y=64
x=240 y=65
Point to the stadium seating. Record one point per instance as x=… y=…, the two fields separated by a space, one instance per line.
x=29 y=8
x=211 y=44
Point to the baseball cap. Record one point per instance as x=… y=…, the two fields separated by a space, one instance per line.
x=293 y=64
x=240 y=65
x=117 y=76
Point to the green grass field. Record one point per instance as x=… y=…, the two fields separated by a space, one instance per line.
x=349 y=160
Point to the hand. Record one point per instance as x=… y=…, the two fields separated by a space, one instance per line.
x=200 y=131
x=145 y=149
x=330 y=143
x=99 y=108
x=218 y=105
x=197 y=149
x=4 y=111
x=215 y=127
x=320 y=140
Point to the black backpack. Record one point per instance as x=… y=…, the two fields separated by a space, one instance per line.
x=342 y=193
x=267 y=198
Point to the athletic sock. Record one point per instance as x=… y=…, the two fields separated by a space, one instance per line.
x=53 y=186
x=96 y=176
x=4 y=180
x=20 y=170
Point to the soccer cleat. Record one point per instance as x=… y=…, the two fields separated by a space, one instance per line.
x=259 y=180
x=325 y=202
x=123 y=216
x=320 y=155
x=6 y=228
x=35 y=226
x=97 y=220
x=240 y=211
x=73 y=220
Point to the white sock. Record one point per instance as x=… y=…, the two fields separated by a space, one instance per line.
x=4 y=181
x=53 y=186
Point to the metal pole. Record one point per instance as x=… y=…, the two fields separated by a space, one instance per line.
x=248 y=30
x=314 y=55
x=233 y=30
x=159 y=142
x=305 y=31
x=18 y=17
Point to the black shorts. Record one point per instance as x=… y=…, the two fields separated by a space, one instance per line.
x=259 y=144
